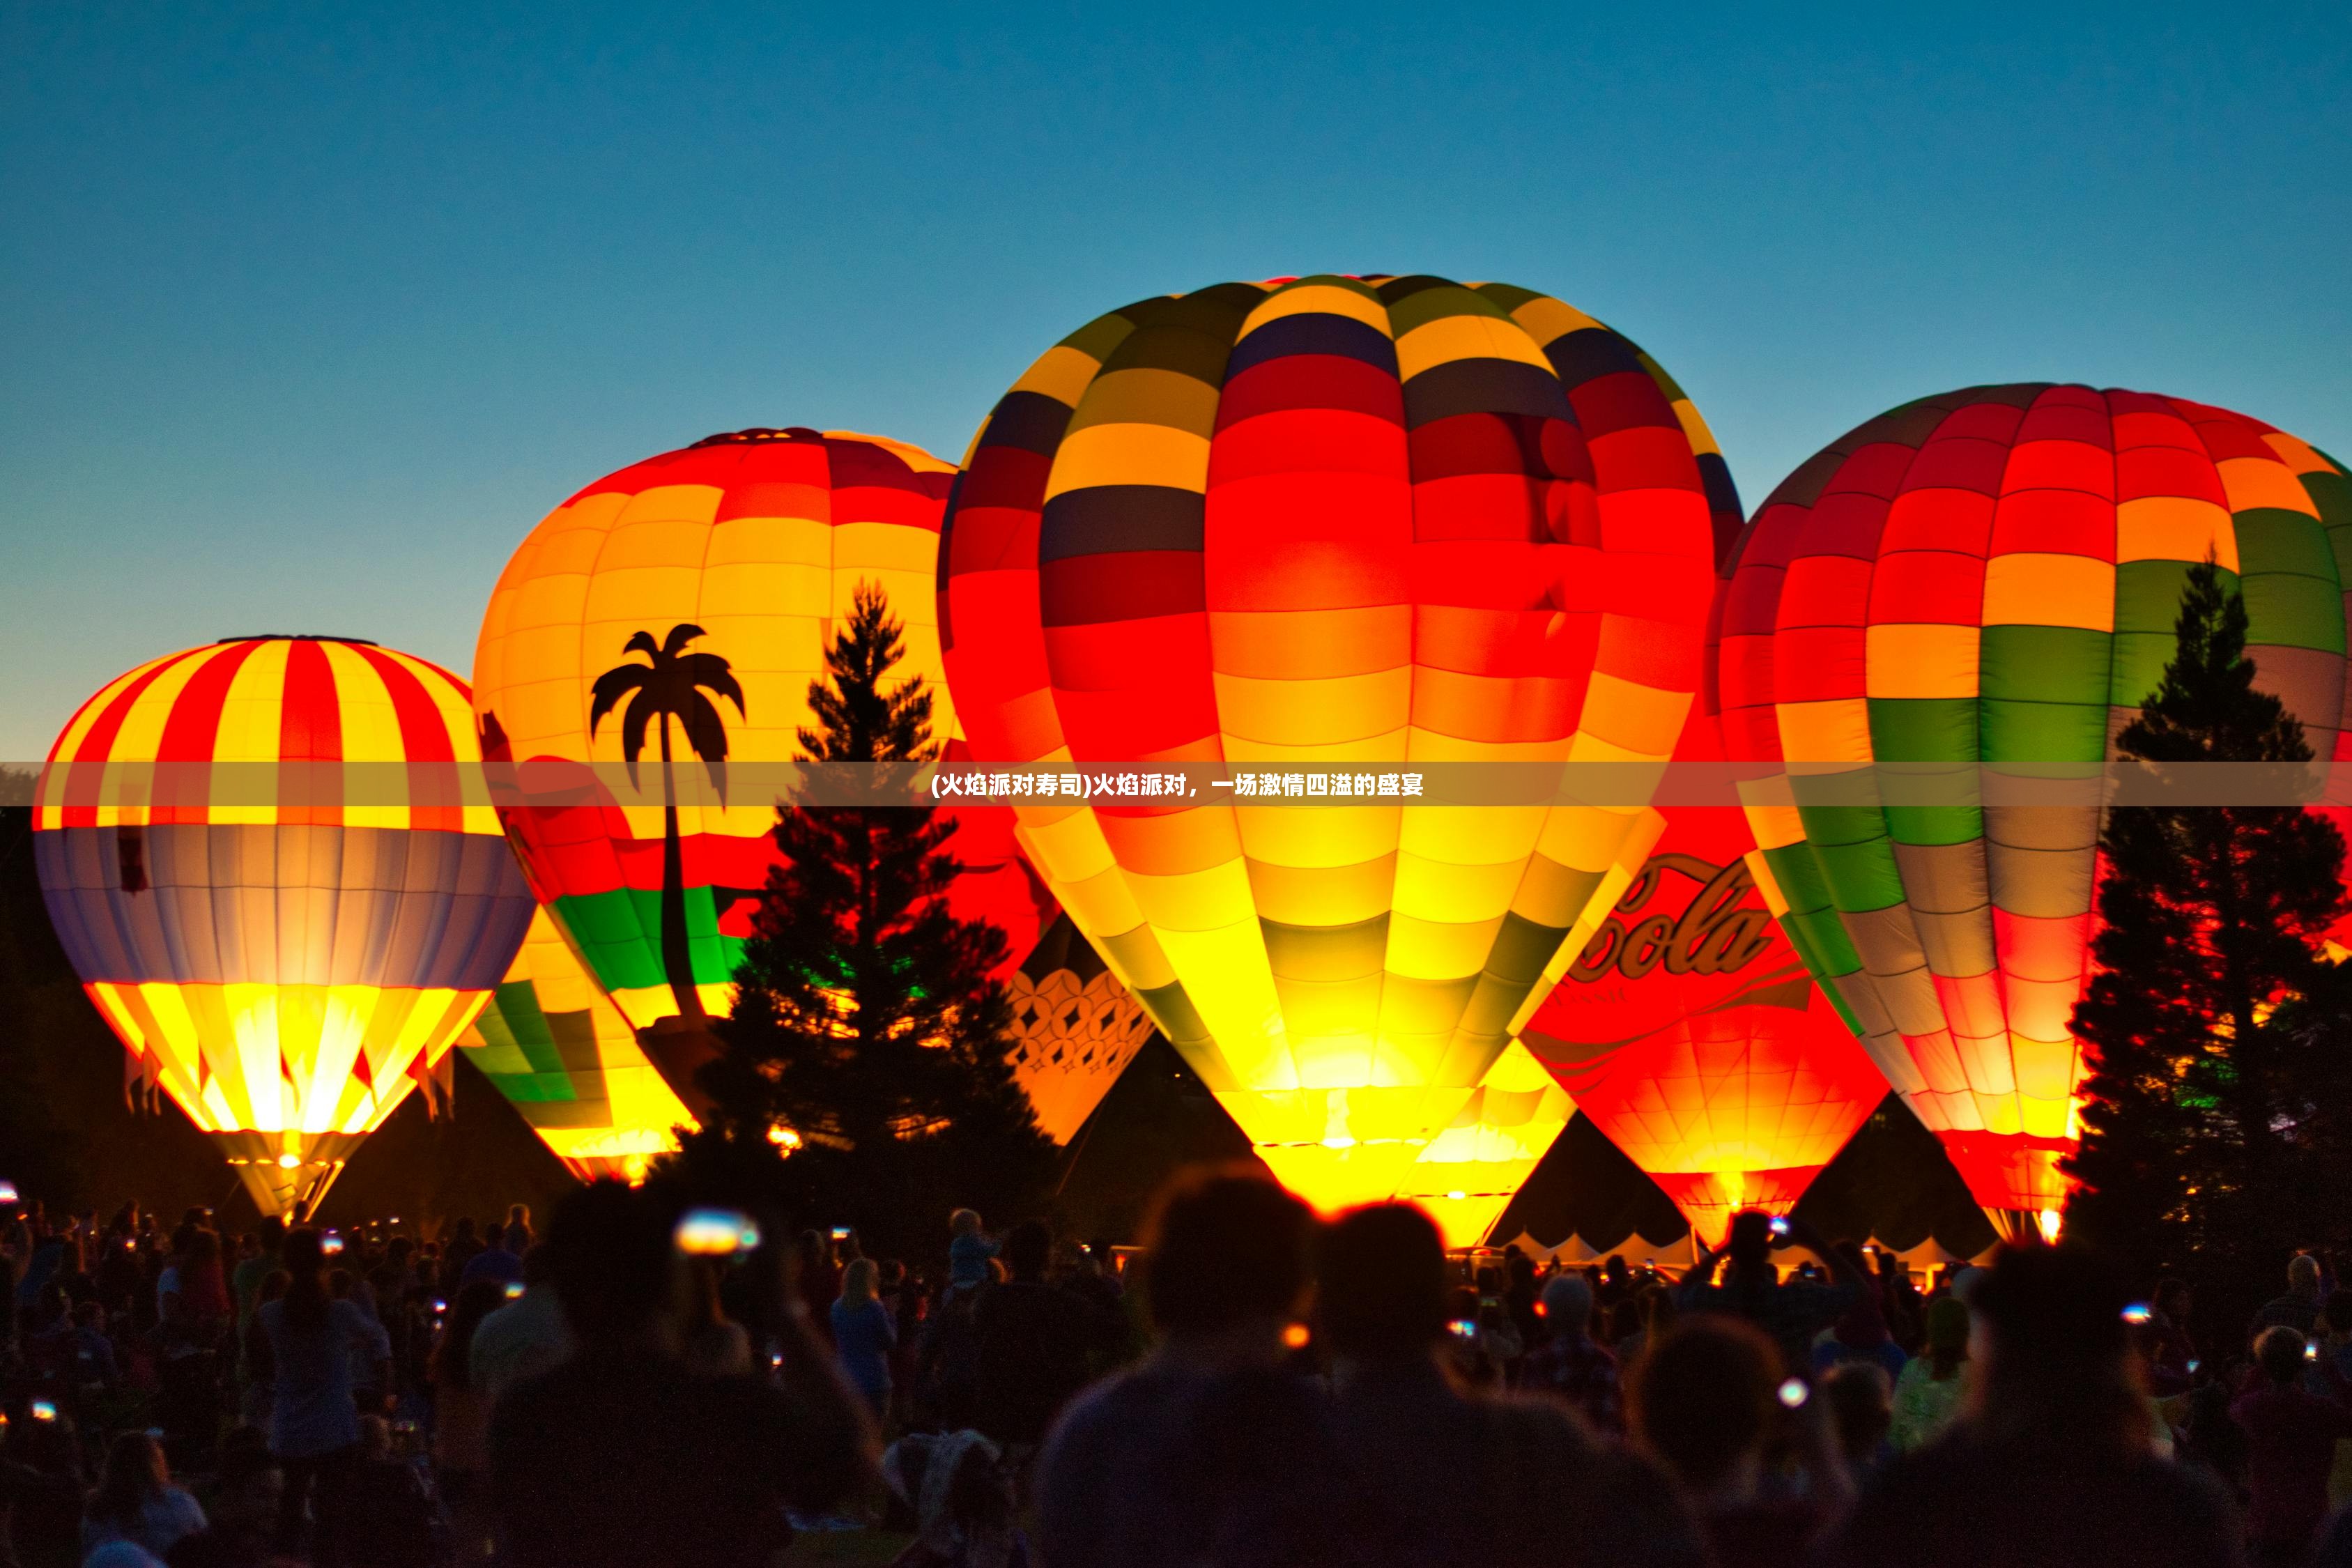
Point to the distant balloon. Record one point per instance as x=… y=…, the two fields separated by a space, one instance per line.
x=672 y=615
x=259 y=858
x=561 y=1052
x=1348 y=521
x=1993 y=575
x=1691 y=1036
x=1075 y=1029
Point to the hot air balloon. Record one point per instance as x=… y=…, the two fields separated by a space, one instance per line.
x=258 y=858
x=1470 y=1172
x=1991 y=575
x=1337 y=521
x=700 y=588
x=554 y=1045
x=1690 y=1034
x=1076 y=1028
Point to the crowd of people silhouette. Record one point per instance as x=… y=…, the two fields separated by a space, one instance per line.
x=646 y=1383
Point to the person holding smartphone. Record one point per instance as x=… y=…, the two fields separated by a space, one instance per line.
x=1792 y=1312
x=621 y=1455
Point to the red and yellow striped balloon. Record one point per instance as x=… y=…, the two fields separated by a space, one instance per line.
x=259 y=859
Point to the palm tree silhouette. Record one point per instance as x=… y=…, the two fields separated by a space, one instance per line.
x=671 y=685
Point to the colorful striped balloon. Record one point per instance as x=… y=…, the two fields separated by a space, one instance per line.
x=1332 y=519
x=755 y=542
x=259 y=858
x=554 y=1045
x=1993 y=575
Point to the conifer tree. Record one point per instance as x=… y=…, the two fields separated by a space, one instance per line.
x=2204 y=1115
x=865 y=1022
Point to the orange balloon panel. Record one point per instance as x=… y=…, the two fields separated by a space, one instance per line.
x=728 y=565
x=259 y=858
x=1338 y=520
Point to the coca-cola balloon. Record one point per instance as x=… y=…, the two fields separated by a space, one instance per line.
x=1689 y=1031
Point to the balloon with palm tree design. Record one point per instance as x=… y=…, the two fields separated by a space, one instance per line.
x=691 y=596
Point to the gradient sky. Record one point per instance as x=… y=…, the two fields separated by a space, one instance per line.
x=311 y=311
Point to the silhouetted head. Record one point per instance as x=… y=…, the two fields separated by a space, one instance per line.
x=1750 y=1244
x=1028 y=1248
x=273 y=1234
x=609 y=1258
x=2303 y=1275
x=1568 y=1304
x=1701 y=1398
x=1226 y=1247
x=1860 y=1404
x=136 y=1476
x=2278 y=1351
x=1380 y=1286
x=2057 y=1350
x=2054 y=1308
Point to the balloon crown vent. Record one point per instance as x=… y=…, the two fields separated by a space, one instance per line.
x=299 y=637
x=758 y=434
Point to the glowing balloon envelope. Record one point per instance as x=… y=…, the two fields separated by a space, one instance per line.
x=258 y=858
x=558 y=1049
x=725 y=565
x=1991 y=575
x=1351 y=523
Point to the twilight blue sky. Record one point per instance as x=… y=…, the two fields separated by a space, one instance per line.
x=312 y=311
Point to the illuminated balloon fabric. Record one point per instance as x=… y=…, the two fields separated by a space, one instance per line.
x=561 y=1052
x=1993 y=575
x=1075 y=1029
x=1331 y=520
x=281 y=968
x=761 y=539
x=1690 y=1034
x=1470 y=1172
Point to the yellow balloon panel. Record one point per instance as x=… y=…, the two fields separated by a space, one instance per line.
x=1468 y=1173
x=569 y=1062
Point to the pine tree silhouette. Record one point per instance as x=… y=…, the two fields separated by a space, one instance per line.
x=2200 y=1106
x=865 y=1021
